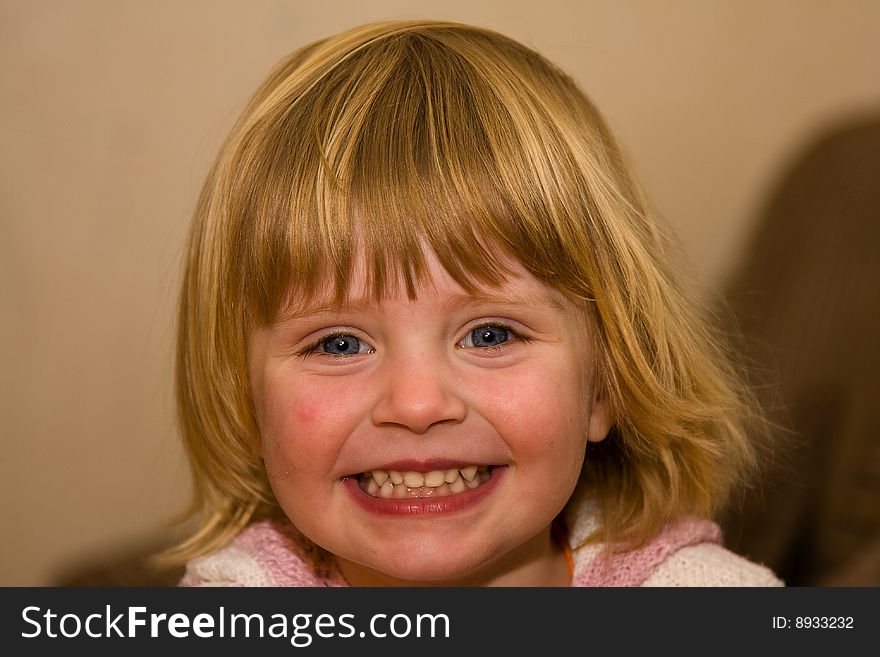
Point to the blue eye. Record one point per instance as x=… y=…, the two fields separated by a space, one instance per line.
x=488 y=336
x=342 y=345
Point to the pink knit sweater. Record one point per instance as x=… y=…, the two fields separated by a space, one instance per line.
x=684 y=553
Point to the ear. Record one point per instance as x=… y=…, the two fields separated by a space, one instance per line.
x=600 y=421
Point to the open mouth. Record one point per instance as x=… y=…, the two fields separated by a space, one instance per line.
x=396 y=484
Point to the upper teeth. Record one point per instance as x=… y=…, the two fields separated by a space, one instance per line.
x=432 y=479
x=398 y=484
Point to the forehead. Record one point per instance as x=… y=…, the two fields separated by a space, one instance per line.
x=518 y=287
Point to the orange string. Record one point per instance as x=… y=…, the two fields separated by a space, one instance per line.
x=560 y=534
x=569 y=558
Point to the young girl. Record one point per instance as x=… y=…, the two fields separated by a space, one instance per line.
x=428 y=335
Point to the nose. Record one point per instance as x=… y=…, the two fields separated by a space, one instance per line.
x=418 y=394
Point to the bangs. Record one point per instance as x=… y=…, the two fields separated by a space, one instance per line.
x=411 y=142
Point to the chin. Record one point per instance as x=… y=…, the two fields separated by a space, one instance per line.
x=427 y=566
x=422 y=574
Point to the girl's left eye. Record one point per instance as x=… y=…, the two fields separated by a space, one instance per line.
x=488 y=335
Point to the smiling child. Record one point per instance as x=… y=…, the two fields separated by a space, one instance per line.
x=429 y=335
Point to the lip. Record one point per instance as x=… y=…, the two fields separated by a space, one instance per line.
x=426 y=506
x=425 y=465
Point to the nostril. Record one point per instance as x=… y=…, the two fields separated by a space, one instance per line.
x=418 y=414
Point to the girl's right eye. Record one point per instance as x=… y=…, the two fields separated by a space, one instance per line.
x=339 y=344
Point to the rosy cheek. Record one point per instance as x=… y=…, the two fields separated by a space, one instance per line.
x=321 y=413
x=302 y=424
x=290 y=408
x=284 y=417
x=306 y=412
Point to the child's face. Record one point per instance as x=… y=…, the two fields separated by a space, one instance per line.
x=432 y=386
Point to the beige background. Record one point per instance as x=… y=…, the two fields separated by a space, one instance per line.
x=112 y=110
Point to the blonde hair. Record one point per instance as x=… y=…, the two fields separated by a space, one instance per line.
x=397 y=134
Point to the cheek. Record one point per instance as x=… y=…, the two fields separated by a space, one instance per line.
x=308 y=412
x=303 y=426
x=541 y=413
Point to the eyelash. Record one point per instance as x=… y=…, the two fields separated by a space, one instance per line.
x=314 y=348
x=515 y=336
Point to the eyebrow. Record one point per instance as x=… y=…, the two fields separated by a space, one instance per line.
x=545 y=299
